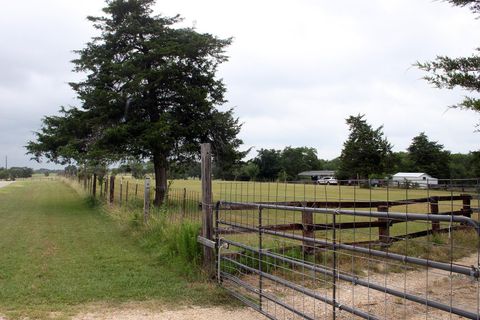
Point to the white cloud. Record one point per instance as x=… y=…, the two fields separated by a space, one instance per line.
x=297 y=69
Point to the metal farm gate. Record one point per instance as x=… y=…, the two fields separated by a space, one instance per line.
x=320 y=260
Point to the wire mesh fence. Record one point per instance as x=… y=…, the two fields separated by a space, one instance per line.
x=179 y=203
x=353 y=250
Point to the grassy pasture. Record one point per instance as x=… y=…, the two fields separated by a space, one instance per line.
x=248 y=191
x=240 y=191
x=279 y=192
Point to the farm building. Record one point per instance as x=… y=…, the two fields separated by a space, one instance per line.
x=416 y=178
x=317 y=174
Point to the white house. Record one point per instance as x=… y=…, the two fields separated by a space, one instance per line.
x=415 y=178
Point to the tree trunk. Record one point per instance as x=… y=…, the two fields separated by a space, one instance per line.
x=160 y=167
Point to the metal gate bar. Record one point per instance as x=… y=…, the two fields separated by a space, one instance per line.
x=305 y=291
x=260 y=252
x=357 y=281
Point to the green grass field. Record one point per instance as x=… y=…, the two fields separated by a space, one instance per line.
x=57 y=252
x=239 y=191
x=244 y=191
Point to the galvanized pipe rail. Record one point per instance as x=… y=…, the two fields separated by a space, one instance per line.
x=471 y=272
x=356 y=281
x=389 y=215
x=265 y=295
x=304 y=290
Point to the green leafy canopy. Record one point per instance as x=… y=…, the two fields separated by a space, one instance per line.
x=150 y=92
x=366 y=152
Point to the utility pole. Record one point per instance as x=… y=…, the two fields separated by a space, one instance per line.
x=6 y=162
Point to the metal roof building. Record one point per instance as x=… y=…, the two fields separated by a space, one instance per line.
x=317 y=173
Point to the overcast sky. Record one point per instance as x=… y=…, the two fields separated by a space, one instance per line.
x=297 y=69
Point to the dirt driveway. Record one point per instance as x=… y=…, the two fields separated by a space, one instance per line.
x=5 y=183
x=139 y=312
x=441 y=288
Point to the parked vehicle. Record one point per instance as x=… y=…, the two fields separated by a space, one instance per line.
x=327 y=180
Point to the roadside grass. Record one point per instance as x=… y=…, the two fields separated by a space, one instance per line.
x=164 y=236
x=59 y=252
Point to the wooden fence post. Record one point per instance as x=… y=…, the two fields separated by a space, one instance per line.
x=136 y=190
x=384 y=231
x=434 y=210
x=146 y=200
x=94 y=185
x=466 y=209
x=207 y=221
x=307 y=231
x=112 y=188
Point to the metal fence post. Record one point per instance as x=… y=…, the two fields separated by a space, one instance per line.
x=94 y=185
x=334 y=266
x=434 y=210
x=126 y=194
x=85 y=177
x=207 y=224
x=184 y=202
x=146 y=200
x=105 y=189
x=260 y=258
x=121 y=192
x=112 y=189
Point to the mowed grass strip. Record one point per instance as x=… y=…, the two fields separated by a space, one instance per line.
x=56 y=251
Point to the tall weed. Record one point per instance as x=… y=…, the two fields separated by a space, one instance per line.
x=173 y=243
